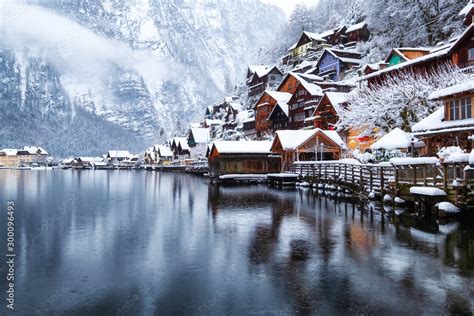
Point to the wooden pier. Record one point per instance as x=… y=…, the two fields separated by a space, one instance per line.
x=282 y=179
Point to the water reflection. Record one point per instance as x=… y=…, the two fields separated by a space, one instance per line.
x=143 y=243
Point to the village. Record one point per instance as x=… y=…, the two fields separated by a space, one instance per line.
x=286 y=129
x=295 y=126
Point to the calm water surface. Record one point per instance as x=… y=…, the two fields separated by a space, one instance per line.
x=144 y=243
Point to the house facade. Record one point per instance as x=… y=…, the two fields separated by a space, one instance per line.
x=264 y=107
x=450 y=125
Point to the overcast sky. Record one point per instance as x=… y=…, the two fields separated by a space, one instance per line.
x=289 y=5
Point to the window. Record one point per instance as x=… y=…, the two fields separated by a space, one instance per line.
x=454 y=113
x=272 y=77
x=466 y=108
x=471 y=54
x=301 y=92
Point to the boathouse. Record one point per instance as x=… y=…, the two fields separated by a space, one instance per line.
x=242 y=158
x=306 y=145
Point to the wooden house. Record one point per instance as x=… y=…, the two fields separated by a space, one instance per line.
x=248 y=128
x=292 y=79
x=117 y=156
x=302 y=103
x=261 y=78
x=308 y=42
x=335 y=63
x=459 y=52
x=327 y=112
x=452 y=124
x=356 y=33
x=306 y=145
x=242 y=157
x=264 y=106
x=162 y=154
x=403 y=54
x=279 y=117
x=335 y=36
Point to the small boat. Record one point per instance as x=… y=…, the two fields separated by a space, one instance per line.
x=23 y=167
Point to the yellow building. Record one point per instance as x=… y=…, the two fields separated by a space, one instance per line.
x=9 y=158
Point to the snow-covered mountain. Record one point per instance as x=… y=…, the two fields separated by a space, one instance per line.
x=81 y=76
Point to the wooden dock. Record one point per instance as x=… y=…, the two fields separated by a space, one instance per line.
x=282 y=179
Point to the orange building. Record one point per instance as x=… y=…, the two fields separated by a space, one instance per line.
x=264 y=107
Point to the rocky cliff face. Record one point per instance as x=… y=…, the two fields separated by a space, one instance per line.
x=83 y=76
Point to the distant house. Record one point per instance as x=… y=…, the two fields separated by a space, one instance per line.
x=292 y=79
x=306 y=145
x=162 y=154
x=248 y=127
x=335 y=63
x=279 y=117
x=309 y=46
x=242 y=157
x=198 y=139
x=459 y=52
x=9 y=158
x=117 y=156
x=356 y=33
x=453 y=123
x=302 y=103
x=149 y=156
x=264 y=106
x=32 y=154
x=403 y=54
x=261 y=78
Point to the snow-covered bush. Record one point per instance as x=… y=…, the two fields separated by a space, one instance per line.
x=401 y=101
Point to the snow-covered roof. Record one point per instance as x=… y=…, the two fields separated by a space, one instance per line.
x=262 y=71
x=163 y=151
x=458 y=88
x=396 y=139
x=315 y=36
x=292 y=139
x=90 y=159
x=118 y=153
x=356 y=27
x=467 y=8
x=201 y=135
x=9 y=151
x=312 y=88
x=243 y=147
x=280 y=97
x=283 y=106
x=34 y=150
x=210 y=122
x=337 y=98
x=435 y=121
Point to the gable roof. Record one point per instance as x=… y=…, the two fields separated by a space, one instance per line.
x=242 y=147
x=282 y=106
x=450 y=91
x=163 y=151
x=118 y=154
x=356 y=27
x=34 y=150
x=290 y=140
x=348 y=57
x=262 y=71
x=200 y=135
x=395 y=139
x=299 y=77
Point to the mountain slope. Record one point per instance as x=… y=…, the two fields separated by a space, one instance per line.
x=142 y=69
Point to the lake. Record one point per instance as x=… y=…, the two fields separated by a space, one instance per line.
x=149 y=243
